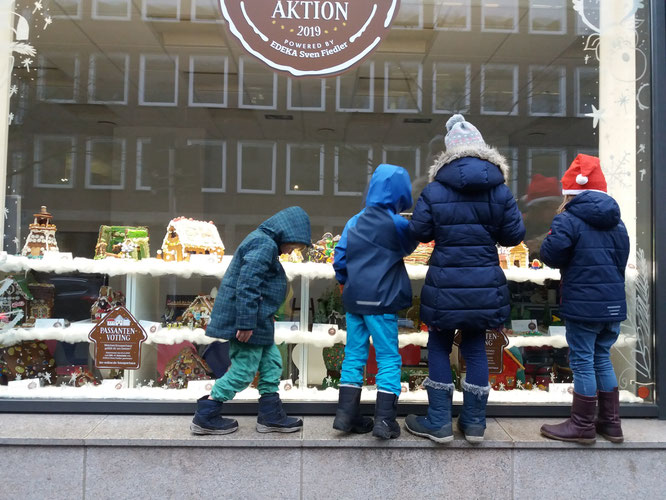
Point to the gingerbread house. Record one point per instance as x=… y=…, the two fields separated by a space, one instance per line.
x=197 y=315
x=512 y=371
x=106 y=300
x=15 y=300
x=187 y=237
x=43 y=299
x=519 y=256
x=125 y=242
x=41 y=237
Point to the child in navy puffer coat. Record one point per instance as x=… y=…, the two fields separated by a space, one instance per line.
x=467 y=209
x=589 y=244
x=368 y=262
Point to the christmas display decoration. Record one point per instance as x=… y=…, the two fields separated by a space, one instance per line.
x=519 y=256
x=421 y=255
x=323 y=250
x=108 y=299
x=27 y=360
x=185 y=366
x=197 y=315
x=186 y=237
x=124 y=242
x=41 y=237
x=15 y=298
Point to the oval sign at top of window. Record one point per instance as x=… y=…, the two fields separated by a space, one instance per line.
x=310 y=38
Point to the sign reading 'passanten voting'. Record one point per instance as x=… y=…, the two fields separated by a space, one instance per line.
x=312 y=38
x=118 y=338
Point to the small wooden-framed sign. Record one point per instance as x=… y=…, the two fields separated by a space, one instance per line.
x=118 y=337
x=312 y=38
x=496 y=341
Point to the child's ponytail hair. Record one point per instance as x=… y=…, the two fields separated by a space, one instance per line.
x=567 y=198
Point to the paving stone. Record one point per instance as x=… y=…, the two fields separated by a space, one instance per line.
x=25 y=428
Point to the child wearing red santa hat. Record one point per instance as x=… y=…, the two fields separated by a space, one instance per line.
x=589 y=244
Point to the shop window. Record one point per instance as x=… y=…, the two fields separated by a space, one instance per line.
x=499 y=15
x=355 y=90
x=499 y=89
x=256 y=162
x=306 y=94
x=208 y=82
x=58 y=78
x=105 y=163
x=549 y=162
x=55 y=161
x=410 y=15
x=353 y=166
x=112 y=10
x=547 y=90
x=158 y=80
x=586 y=89
x=257 y=85
x=511 y=155
x=403 y=87
x=450 y=87
x=65 y=9
x=307 y=174
x=212 y=159
x=548 y=17
x=143 y=163
x=453 y=16
x=160 y=10
x=206 y=11
x=108 y=78
x=407 y=157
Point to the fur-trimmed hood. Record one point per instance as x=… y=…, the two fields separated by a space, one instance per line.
x=487 y=153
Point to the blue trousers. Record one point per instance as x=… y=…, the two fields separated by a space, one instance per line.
x=472 y=348
x=589 y=355
x=383 y=328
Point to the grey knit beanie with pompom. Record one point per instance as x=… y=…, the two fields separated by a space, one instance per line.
x=462 y=134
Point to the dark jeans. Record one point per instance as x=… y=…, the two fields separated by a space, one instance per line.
x=472 y=348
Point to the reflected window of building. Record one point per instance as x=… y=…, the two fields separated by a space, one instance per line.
x=65 y=9
x=355 y=90
x=158 y=80
x=453 y=15
x=112 y=10
x=410 y=15
x=407 y=157
x=211 y=156
x=549 y=162
x=206 y=11
x=256 y=164
x=145 y=163
x=208 y=82
x=306 y=94
x=586 y=89
x=548 y=17
x=499 y=15
x=547 y=90
x=58 y=77
x=257 y=85
x=403 y=87
x=55 y=161
x=108 y=78
x=511 y=155
x=105 y=163
x=160 y=10
x=450 y=87
x=499 y=89
x=307 y=174
x=353 y=166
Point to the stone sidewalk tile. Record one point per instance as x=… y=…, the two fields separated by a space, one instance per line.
x=56 y=429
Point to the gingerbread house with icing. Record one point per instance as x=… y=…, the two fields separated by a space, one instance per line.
x=41 y=237
x=519 y=256
x=187 y=237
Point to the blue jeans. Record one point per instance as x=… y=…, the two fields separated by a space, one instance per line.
x=472 y=348
x=589 y=355
x=383 y=328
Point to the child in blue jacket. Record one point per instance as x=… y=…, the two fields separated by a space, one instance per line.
x=589 y=244
x=368 y=262
x=251 y=292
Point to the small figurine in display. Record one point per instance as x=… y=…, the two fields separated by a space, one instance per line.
x=124 y=242
x=42 y=236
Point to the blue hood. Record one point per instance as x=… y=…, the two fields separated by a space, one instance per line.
x=390 y=188
x=291 y=225
x=470 y=174
x=596 y=208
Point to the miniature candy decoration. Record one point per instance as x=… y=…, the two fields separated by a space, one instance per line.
x=29 y=359
x=41 y=237
x=107 y=300
x=517 y=256
x=295 y=256
x=421 y=255
x=186 y=365
x=197 y=315
x=123 y=242
x=323 y=251
x=186 y=237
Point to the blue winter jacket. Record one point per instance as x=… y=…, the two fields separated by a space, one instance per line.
x=368 y=257
x=589 y=244
x=467 y=210
x=254 y=285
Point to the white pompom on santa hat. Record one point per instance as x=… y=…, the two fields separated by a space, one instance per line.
x=584 y=174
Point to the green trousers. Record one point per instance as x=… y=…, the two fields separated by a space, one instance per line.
x=246 y=361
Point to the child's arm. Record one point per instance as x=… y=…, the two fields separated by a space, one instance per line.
x=407 y=241
x=340 y=253
x=557 y=246
x=255 y=267
x=512 y=231
x=421 y=226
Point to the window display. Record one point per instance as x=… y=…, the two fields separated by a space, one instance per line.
x=132 y=121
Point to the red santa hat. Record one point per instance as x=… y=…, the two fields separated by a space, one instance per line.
x=584 y=174
x=542 y=188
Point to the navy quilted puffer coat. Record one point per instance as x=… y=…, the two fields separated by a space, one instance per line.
x=467 y=209
x=590 y=245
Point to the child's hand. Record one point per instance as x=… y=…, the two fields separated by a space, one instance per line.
x=243 y=335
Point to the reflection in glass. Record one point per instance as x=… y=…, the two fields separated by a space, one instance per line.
x=549 y=162
x=55 y=161
x=586 y=89
x=403 y=87
x=256 y=161
x=548 y=17
x=305 y=169
x=58 y=77
x=410 y=15
x=306 y=94
x=406 y=157
x=111 y=10
x=353 y=166
x=546 y=90
x=105 y=163
x=453 y=15
x=499 y=89
x=108 y=78
x=144 y=159
x=208 y=81
x=158 y=80
x=499 y=15
x=355 y=90
x=161 y=10
x=257 y=85
x=64 y=9
x=212 y=160
x=206 y=11
x=450 y=87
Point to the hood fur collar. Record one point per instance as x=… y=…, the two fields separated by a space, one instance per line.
x=487 y=153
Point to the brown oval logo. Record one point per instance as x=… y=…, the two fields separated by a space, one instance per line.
x=310 y=38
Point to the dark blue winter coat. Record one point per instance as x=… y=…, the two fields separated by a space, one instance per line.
x=254 y=285
x=467 y=210
x=368 y=257
x=589 y=244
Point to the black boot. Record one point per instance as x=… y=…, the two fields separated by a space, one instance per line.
x=348 y=416
x=272 y=417
x=207 y=419
x=386 y=409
